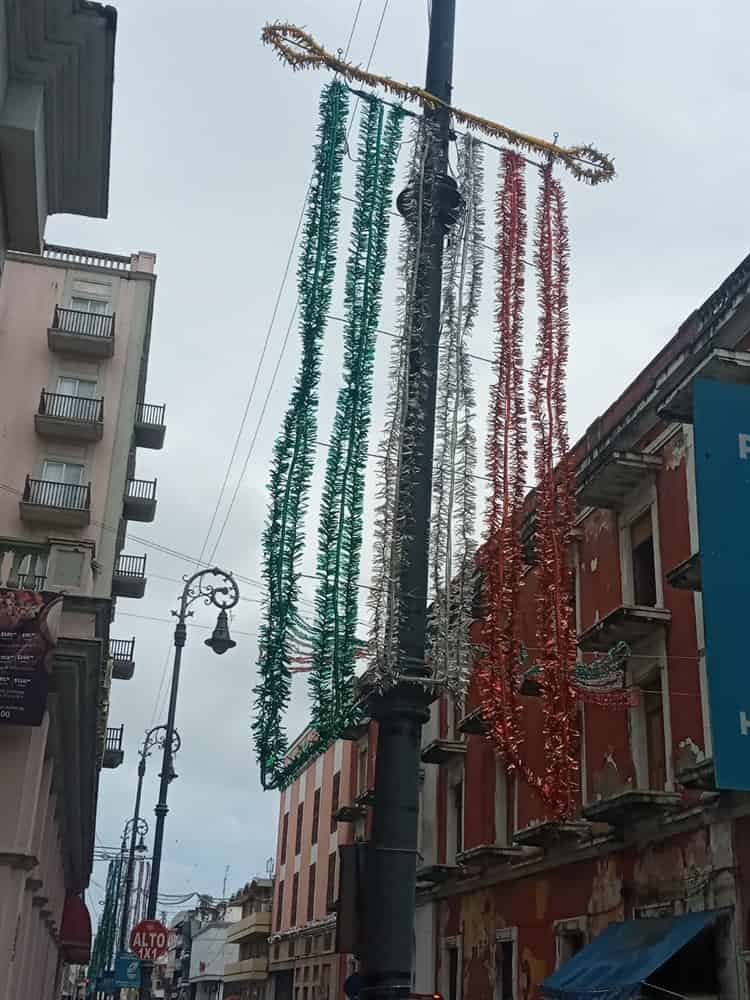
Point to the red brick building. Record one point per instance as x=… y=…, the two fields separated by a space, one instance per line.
x=504 y=897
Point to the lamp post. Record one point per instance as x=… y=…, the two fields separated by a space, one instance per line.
x=154 y=738
x=224 y=596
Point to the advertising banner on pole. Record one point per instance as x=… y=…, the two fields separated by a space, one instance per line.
x=127 y=971
x=722 y=472
x=29 y=627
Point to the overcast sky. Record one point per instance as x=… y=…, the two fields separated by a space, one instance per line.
x=211 y=154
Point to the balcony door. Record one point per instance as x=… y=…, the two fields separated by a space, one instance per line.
x=61 y=487
x=82 y=388
x=84 y=304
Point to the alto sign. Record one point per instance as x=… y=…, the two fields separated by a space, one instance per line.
x=149 y=940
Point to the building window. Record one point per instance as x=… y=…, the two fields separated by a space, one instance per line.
x=295 y=899
x=298 y=831
x=311 y=893
x=642 y=560
x=28 y=571
x=82 y=388
x=290 y=949
x=70 y=473
x=362 y=770
x=453 y=971
x=85 y=304
x=308 y=950
x=653 y=720
x=335 y=800
x=284 y=835
x=280 y=905
x=569 y=942
x=316 y=816
x=276 y=950
x=505 y=969
x=331 y=881
x=327 y=943
x=458 y=805
x=505 y=785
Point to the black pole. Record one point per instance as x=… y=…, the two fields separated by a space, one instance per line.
x=161 y=810
x=131 y=853
x=402 y=710
x=223 y=597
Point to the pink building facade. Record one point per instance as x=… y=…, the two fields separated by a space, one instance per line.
x=75 y=329
x=318 y=813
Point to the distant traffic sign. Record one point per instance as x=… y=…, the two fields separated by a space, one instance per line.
x=149 y=940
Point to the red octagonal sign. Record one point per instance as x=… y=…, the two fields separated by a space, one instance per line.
x=149 y=940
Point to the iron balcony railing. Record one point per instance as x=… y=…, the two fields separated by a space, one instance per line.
x=141 y=489
x=122 y=649
x=150 y=413
x=81 y=408
x=130 y=566
x=30 y=581
x=113 y=740
x=64 y=496
x=84 y=324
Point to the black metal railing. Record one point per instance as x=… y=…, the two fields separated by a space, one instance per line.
x=140 y=489
x=81 y=408
x=84 y=324
x=65 y=496
x=30 y=581
x=150 y=413
x=130 y=566
x=113 y=740
x=122 y=649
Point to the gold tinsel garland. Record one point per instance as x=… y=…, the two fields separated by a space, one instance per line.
x=300 y=51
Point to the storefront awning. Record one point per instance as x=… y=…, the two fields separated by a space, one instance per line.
x=616 y=962
x=75 y=931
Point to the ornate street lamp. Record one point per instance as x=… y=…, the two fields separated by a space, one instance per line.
x=224 y=597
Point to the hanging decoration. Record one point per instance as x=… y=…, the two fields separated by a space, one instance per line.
x=396 y=448
x=602 y=682
x=502 y=556
x=300 y=51
x=555 y=501
x=293 y=454
x=341 y=511
x=452 y=542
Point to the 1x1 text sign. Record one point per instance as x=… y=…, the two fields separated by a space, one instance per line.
x=722 y=469
x=149 y=940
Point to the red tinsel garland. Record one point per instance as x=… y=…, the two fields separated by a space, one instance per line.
x=555 y=625
x=506 y=470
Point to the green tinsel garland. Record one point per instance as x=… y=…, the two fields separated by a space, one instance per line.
x=293 y=455
x=103 y=950
x=340 y=531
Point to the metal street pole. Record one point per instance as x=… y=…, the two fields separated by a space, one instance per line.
x=223 y=597
x=154 y=737
x=402 y=710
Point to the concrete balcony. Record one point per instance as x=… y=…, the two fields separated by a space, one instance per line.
x=627 y=623
x=632 y=806
x=69 y=418
x=443 y=752
x=114 y=755
x=129 y=577
x=607 y=485
x=150 y=428
x=63 y=504
x=254 y=923
x=248 y=968
x=122 y=654
x=139 y=503
x=84 y=334
x=687 y=575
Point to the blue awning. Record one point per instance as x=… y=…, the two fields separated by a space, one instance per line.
x=616 y=962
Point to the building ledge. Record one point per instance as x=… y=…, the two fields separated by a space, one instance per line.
x=721 y=366
x=607 y=485
x=699 y=776
x=487 y=855
x=629 y=807
x=443 y=752
x=356 y=731
x=553 y=833
x=473 y=723
x=628 y=623
x=436 y=874
x=349 y=814
x=687 y=575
